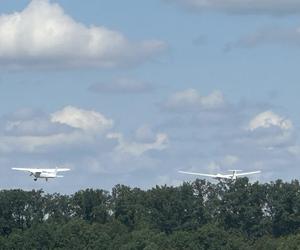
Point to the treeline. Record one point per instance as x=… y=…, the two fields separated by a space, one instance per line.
x=198 y=215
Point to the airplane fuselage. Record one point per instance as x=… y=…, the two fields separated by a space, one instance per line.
x=45 y=173
x=222 y=176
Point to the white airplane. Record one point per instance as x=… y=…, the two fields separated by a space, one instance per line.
x=218 y=176
x=45 y=173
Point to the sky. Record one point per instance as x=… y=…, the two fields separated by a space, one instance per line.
x=130 y=92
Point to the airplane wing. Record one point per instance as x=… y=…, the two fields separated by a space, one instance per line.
x=248 y=173
x=36 y=170
x=31 y=170
x=200 y=174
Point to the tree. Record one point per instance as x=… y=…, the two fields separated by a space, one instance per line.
x=242 y=207
x=91 y=205
x=128 y=206
x=283 y=207
x=20 y=209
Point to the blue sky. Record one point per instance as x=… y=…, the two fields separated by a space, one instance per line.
x=133 y=91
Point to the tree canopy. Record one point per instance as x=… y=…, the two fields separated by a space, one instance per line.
x=197 y=215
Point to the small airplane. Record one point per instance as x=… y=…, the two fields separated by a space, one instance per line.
x=45 y=173
x=218 y=176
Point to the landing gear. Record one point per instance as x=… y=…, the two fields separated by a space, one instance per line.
x=46 y=179
x=35 y=179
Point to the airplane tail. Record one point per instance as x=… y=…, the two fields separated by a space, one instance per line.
x=234 y=172
x=56 y=171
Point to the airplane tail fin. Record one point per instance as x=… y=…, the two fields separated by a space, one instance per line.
x=234 y=173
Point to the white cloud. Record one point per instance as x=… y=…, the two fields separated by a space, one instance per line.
x=76 y=129
x=35 y=144
x=42 y=35
x=190 y=99
x=135 y=148
x=272 y=7
x=35 y=132
x=269 y=119
x=30 y=123
x=83 y=119
x=33 y=126
x=30 y=131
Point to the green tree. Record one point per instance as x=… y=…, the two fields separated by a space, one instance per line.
x=283 y=207
x=20 y=209
x=91 y=205
x=58 y=208
x=242 y=207
x=128 y=206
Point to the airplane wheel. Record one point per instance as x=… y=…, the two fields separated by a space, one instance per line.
x=35 y=179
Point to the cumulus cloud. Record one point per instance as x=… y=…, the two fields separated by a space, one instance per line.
x=271 y=7
x=42 y=144
x=82 y=119
x=137 y=148
x=35 y=132
x=72 y=128
x=121 y=86
x=35 y=126
x=42 y=35
x=269 y=119
x=30 y=123
x=270 y=131
x=191 y=100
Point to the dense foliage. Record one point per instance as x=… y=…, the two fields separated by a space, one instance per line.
x=198 y=215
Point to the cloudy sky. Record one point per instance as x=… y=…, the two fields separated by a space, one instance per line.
x=132 y=91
